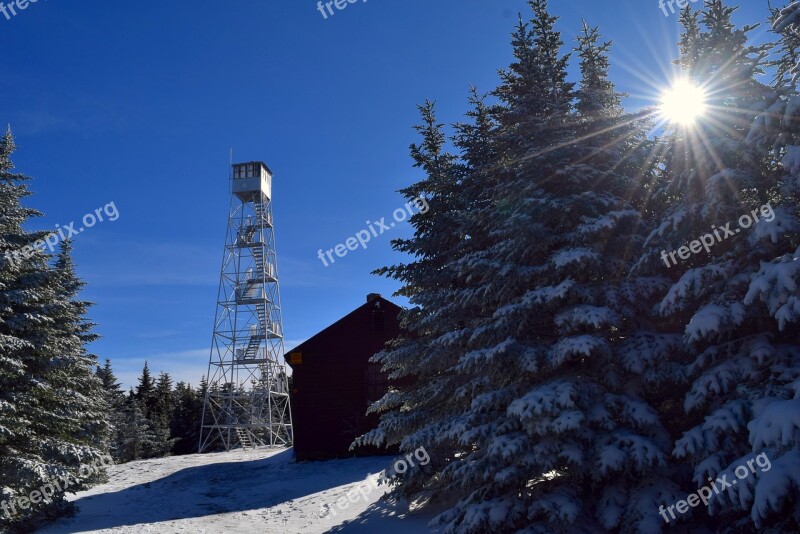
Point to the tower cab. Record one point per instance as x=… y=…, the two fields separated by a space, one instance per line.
x=250 y=179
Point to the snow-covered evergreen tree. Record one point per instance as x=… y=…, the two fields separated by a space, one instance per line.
x=115 y=399
x=737 y=365
x=146 y=390
x=422 y=361
x=74 y=397
x=147 y=433
x=185 y=419
x=164 y=403
x=137 y=436
x=787 y=23
x=590 y=383
x=22 y=294
x=162 y=413
x=541 y=429
x=109 y=380
x=52 y=417
x=560 y=439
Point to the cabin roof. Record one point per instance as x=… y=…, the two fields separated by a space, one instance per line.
x=331 y=330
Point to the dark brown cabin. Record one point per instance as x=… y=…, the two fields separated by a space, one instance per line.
x=333 y=381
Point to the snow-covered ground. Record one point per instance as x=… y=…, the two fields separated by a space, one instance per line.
x=241 y=491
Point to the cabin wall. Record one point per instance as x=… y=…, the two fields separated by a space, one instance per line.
x=331 y=390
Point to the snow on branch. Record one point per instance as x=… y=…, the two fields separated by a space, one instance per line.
x=789 y=21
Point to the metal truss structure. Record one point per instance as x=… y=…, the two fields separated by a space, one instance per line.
x=247 y=401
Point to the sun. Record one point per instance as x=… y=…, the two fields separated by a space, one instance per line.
x=683 y=103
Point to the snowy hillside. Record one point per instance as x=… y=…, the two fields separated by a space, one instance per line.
x=241 y=491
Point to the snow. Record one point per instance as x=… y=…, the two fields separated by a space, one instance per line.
x=778 y=425
x=775 y=485
x=546 y=399
x=789 y=16
x=789 y=20
x=623 y=450
x=792 y=110
x=567 y=257
x=766 y=128
x=693 y=283
x=241 y=491
x=718 y=380
x=712 y=319
x=784 y=222
x=586 y=315
x=574 y=347
x=608 y=221
x=776 y=284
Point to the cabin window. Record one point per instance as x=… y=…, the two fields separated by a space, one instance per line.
x=377 y=384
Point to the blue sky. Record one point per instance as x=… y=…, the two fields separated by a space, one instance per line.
x=139 y=103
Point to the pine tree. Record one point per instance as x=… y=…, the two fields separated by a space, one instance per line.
x=22 y=294
x=164 y=399
x=51 y=410
x=734 y=349
x=148 y=418
x=109 y=380
x=202 y=389
x=410 y=359
x=786 y=22
x=158 y=442
x=549 y=400
x=146 y=391
x=185 y=421
x=162 y=412
x=75 y=401
x=137 y=435
x=115 y=400
x=525 y=304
